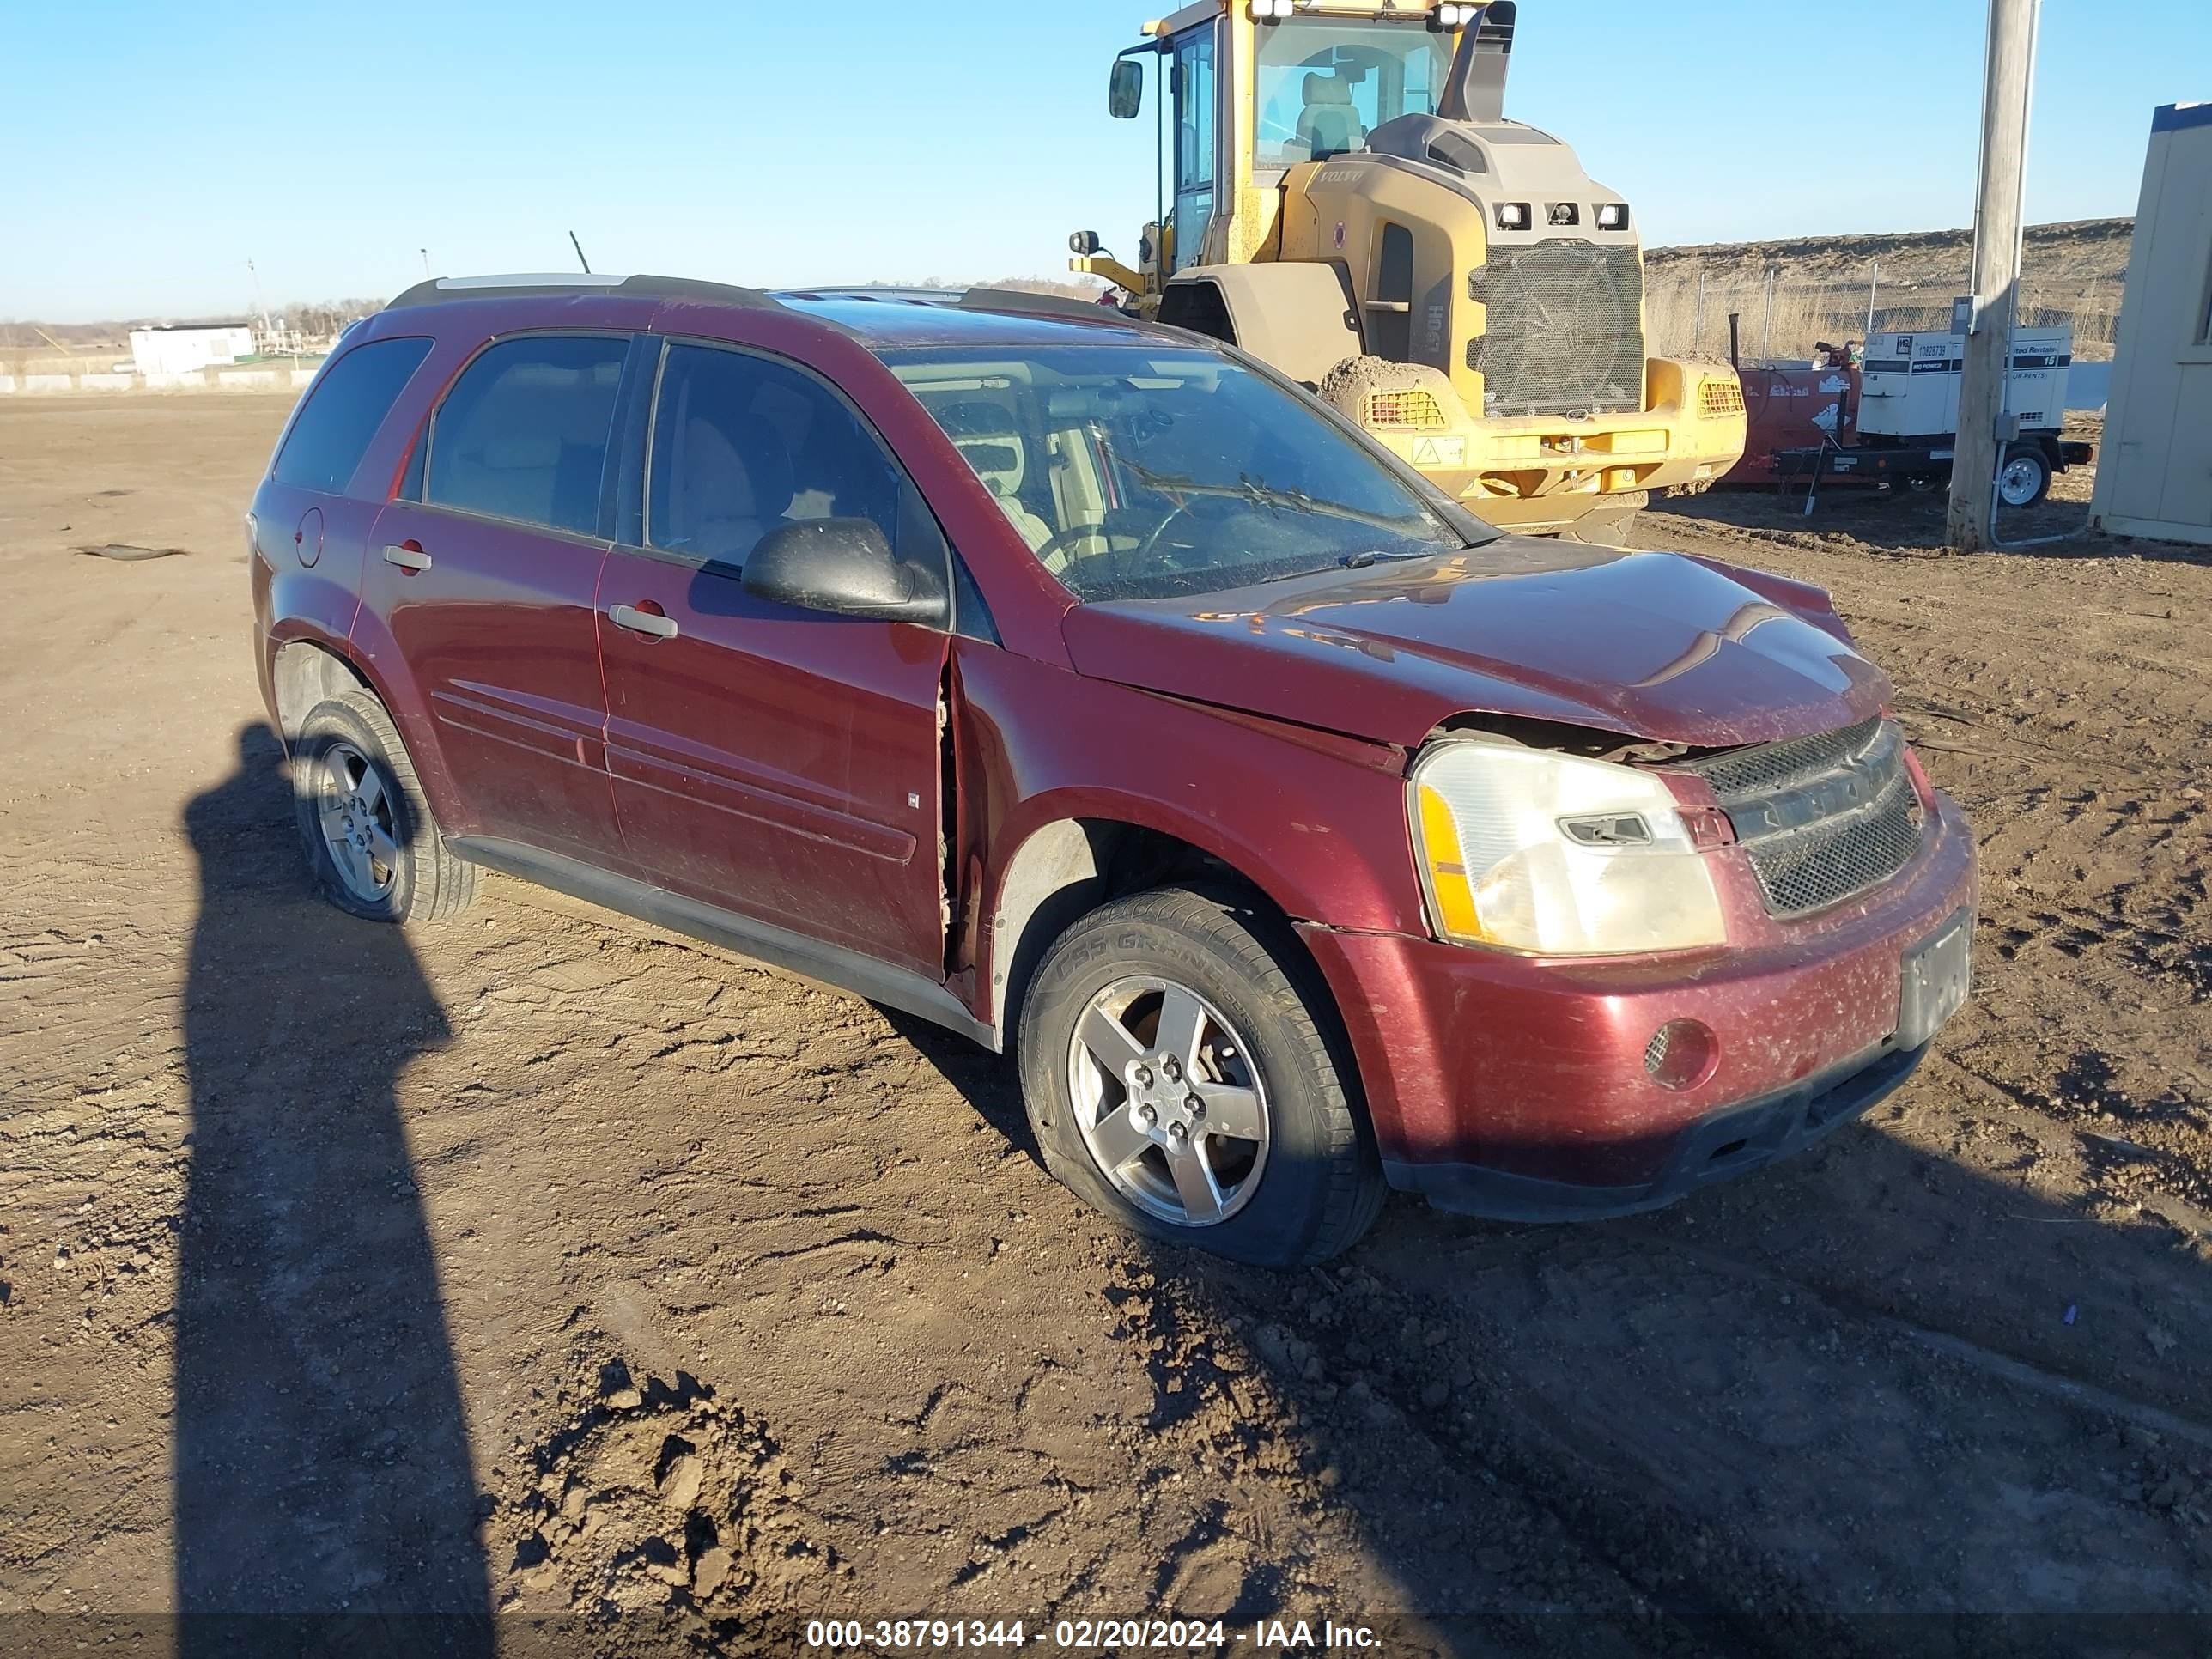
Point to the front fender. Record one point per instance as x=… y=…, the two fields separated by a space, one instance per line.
x=1314 y=821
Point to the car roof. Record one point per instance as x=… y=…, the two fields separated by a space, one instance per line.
x=879 y=317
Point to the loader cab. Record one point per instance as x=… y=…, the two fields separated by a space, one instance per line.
x=1322 y=84
x=1248 y=91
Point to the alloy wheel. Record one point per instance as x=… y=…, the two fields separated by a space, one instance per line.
x=354 y=808
x=1169 y=1100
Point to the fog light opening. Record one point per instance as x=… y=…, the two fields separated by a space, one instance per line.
x=1682 y=1053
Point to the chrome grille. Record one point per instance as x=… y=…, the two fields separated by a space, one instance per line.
x=1821 y=819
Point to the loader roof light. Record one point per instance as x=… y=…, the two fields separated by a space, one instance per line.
x=1270 y=11
x=1513 y=216
x=1453 y=17
x=1613 y=215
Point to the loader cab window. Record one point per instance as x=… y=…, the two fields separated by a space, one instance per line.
x=1324 y=84
x=1192 y=78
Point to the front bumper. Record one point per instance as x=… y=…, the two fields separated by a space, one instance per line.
x=1733 y=1141
x=1516 y=1088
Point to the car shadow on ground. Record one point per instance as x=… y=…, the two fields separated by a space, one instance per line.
x=322 y=1460
x=1867 y=1401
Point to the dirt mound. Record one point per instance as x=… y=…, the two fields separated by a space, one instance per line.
x=654 y=1496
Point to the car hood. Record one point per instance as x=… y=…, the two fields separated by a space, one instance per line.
x=1658 y=646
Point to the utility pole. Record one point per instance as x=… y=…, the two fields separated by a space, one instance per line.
x=1874 y=288
x=2008 y=74
x=260 y=305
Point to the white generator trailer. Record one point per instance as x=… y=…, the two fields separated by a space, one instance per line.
x=1907 y=415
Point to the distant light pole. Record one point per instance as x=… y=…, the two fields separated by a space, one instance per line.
x=2009 y=74
x=259 y=305
x=425 y=252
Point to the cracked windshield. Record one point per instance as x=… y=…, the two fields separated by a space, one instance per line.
x=1136 y=474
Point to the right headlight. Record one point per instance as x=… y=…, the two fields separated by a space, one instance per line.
x=1526 y=850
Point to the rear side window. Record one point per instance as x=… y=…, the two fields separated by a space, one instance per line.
x=523 y=434
x=342 y=412
x=743 y=446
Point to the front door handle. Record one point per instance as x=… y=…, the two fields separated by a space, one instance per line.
x=650 y=623
x=407 y=557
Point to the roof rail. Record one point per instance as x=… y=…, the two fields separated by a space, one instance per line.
x=879 y=293
x=1048 y=305
x=442 y=289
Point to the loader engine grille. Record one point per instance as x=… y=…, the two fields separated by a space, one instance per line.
x=1565 y=331
x=1406 y=408
x=1717 y=398
x=1822 y=819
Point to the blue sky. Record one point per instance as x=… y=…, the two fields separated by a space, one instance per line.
x=152 y=148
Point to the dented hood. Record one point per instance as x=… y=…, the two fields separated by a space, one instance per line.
x=1658 y=646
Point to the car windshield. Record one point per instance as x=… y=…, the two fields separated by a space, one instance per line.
x=1136 y=471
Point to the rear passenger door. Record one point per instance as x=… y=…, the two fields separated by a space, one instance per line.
x=780 y=763
x=486 y=571
x=309 y=530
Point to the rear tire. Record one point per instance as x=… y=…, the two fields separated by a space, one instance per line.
x=373 y=849
x=1198 y=999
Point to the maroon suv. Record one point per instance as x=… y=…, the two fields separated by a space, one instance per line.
x=1083 y=686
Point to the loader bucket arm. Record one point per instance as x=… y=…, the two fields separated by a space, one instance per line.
x=1475 y=88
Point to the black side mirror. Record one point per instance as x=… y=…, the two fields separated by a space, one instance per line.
x=1125 y=92
x=844 y=565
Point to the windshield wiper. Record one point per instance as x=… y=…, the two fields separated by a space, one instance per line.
x=1250 y=489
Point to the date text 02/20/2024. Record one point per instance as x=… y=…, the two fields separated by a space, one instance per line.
x=1091 y=1635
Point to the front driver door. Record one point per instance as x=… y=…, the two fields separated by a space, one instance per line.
x=780 y=763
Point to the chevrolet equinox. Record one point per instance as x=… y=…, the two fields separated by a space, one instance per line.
x=1083 y=687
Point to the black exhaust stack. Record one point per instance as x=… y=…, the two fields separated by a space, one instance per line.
x=1474 y=88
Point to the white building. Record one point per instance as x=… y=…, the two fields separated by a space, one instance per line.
x=2154 y=467
x=180 y=348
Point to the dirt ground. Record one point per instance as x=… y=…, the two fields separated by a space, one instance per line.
x=548 y=1263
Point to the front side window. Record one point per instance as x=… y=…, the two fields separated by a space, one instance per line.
x=1324 y=84
x=742 y=445
x=1137 y=471
x=332 y=432
x=523 y=432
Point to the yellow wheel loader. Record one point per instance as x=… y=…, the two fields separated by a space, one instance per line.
x=1343 y=198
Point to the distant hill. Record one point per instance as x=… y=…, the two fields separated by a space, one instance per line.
x=2073 y=272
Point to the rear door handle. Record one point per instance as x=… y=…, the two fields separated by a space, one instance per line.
x=407 y=558
x=641 y=621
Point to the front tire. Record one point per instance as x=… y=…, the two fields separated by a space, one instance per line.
x=1179 y=1077
x=372 y=847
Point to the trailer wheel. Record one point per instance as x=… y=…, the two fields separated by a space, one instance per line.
x=2025 y=477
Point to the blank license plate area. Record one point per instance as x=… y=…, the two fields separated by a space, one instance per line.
x=1937 y=973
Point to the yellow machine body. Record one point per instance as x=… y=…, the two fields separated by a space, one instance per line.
x=1487 y=320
